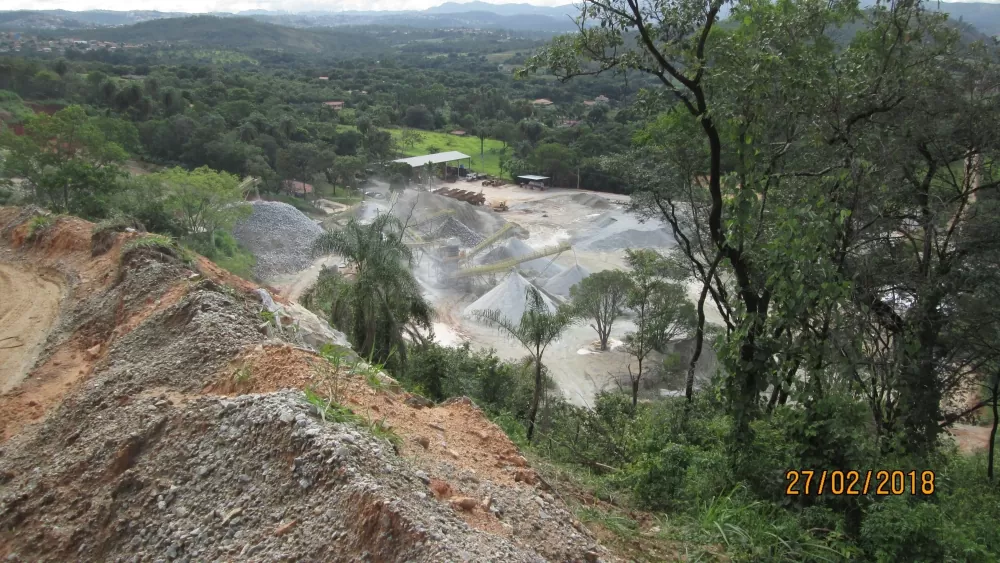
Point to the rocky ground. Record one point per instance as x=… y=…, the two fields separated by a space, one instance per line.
x=165 y=421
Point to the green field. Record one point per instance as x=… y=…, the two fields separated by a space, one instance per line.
x=441 y=142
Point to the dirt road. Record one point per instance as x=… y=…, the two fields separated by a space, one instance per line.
x=29 y=304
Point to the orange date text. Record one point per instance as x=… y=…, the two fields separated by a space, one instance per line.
x=877 y=482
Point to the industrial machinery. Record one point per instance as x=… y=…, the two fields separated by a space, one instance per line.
x=462 y=195
x=513 y=262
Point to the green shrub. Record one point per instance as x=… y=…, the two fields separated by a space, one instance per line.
x=227 y=253
x=37 y=226
x=156 y=244
x=908 y=529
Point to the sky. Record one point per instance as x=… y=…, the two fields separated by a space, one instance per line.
x=201 y=6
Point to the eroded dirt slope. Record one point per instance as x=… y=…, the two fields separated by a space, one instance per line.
x=130 y=440
x=29 y=304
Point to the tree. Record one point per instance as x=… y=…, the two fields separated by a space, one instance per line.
x=345 y=170
x=65 y=159
x=384 y=300
x=601 y=299
x=397 y=183
x=410 y=138
x=483 y=130
x=536 y=330
x=662 y=311
x=419 y=117
x=203 y=200
x=808 y=185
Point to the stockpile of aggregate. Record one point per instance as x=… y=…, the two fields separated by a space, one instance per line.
x=620 y=232
x=280 y=236
x=561 y=283
x=453 y=228
x=509 y=297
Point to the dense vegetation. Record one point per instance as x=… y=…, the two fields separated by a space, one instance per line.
x=834 y=196
x=255 y=107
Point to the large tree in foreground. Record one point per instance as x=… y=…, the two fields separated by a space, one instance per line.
x=537 y=328
x=823 y=195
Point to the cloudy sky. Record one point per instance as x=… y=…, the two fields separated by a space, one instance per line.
x=200 y=6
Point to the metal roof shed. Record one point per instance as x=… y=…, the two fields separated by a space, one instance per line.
x=436 y=158
x=533 y=181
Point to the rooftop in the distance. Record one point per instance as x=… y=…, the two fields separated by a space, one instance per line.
x=436 y=158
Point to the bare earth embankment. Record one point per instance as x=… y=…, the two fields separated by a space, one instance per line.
x=163 y=421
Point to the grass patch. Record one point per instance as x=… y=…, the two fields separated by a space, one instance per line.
x=622 y=526
x=37 y=226
x=157 y=244
x=331 y=411
x=102 y=236
x=448 y=142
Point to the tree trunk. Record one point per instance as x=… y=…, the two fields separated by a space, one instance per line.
x=635 y=385
x=775 y=393
x=535 y=398
x=993 y=431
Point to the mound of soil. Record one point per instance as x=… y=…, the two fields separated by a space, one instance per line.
x=130 y=451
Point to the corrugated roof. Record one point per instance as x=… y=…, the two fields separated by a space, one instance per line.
x=436 y=158
x=530 y=177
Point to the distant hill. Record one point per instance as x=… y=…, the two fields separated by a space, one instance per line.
x=63 y=19
x=237 y=33
x=985 y=17
x=559 y=12
x=980 y=15
x=476 y=20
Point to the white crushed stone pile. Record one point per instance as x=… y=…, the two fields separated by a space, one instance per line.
x=509 y=297
x=454 y=228
x=610 y=232
x=280 y=236
x=560 y=283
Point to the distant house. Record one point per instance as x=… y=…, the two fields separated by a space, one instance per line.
x=542 y=102
x=336 y=106
x=458 y=133
x=297 y=188
x=324 y=78
x=602 y=99
x=569 y=123
x=590 y=103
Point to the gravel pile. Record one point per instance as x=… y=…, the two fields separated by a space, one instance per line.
x=610 y=232
x=137 y=465
x=280 y=236
x=560 y=283
x=509 y=297
x=454 y=228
